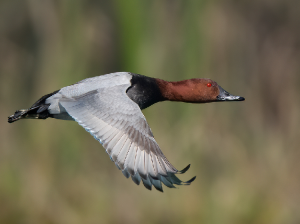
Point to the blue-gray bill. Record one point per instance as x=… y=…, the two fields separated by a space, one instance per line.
x=226 y=96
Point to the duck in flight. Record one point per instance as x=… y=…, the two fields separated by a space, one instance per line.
x=109 y=108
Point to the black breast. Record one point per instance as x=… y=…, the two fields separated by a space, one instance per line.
x=144 y=91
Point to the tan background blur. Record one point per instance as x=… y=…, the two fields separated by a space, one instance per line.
x=245 y=154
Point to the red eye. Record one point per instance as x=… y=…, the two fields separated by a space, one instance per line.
x=208 y=84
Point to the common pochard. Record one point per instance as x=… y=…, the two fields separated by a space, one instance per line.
x=109 y=108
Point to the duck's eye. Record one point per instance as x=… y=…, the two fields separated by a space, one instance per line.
x=208 y=84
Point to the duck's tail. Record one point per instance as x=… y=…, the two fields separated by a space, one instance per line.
x=39 y=110
x=31 y=113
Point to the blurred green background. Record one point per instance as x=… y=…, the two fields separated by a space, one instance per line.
x=245 y=154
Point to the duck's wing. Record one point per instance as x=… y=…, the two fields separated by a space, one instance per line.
x=120 y=126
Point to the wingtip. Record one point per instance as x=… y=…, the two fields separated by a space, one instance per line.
x=185 y=169
x=147 y=184
x=159 y=189
x=190 y=181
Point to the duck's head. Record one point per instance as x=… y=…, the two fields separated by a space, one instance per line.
x=210 y=91
x=197 y=91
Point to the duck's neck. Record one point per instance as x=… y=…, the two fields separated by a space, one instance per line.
x=144 y=91
x=183 y=91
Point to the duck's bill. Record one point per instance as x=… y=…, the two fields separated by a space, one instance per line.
x=230 y=98
x=226 y=96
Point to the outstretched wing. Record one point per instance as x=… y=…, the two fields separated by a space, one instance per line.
x=120 y=126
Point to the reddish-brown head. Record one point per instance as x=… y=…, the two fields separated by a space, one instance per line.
x=195 y=91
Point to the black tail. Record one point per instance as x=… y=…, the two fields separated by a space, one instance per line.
x=38 y=110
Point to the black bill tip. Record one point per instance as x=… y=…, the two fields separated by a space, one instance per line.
x=241 y=98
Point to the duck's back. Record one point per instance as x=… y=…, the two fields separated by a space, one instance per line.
x=95 y=83
x=86 y=86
